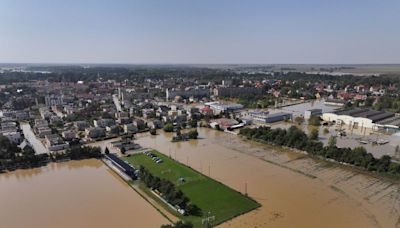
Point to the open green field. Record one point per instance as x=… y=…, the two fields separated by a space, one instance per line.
x=211 y=196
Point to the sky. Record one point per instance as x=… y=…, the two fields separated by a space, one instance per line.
x=200 y=31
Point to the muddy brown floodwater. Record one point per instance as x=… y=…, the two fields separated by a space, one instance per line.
x=72 y=194
x=294 y=189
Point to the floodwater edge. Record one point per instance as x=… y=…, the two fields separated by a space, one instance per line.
x=146 y=198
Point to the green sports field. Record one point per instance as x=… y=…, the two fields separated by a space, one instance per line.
x=211 y=196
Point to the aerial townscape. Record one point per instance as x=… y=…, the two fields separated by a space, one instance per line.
x=114 y=119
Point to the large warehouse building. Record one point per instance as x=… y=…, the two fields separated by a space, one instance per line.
x=265 y=117
x=364 y=118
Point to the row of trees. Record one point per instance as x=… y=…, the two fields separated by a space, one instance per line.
x=169 y=192
x=297 y=139
x=192 y=134
x=78 y=153
x=178 y=224
x=389 y=103
x=13 y=157
x=257 y=101
x=169 y=127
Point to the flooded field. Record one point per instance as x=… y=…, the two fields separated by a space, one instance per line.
x=352 y=139
x=77 y=194
x=294 y=190
x=353 y=135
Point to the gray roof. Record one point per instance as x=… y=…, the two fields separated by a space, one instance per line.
x=368 y=113
x=395 y=120
x=373 y=115
x=351 y=112
x=278 y=114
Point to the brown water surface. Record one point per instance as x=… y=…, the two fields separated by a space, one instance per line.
x=294 y=190
x=72 y=194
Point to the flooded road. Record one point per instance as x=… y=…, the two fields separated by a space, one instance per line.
x=294 y=190
x=33 y=141
x=77 y=194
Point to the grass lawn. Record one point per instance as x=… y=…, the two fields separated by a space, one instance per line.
x=211 y=196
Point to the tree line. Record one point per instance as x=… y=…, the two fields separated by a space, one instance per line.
x=298 y=139
x=178 y=224
x=13 y=157
x=78 y=153
x=169 y=192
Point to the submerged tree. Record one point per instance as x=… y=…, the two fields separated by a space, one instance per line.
x=169 y=127
x=314 y=121
x=314 y=134
x=193 y=134
x=332 y=141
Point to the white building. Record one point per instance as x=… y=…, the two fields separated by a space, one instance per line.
x=219 y=108
x=356 y=118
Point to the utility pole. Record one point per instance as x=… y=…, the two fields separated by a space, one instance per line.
x=245 y=188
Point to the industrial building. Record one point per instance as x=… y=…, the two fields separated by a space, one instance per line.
x=225 y=108
x=364 y=118
x=121 y=165
x=312 y=112
x=265 y=117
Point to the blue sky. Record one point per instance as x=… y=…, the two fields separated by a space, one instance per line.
x=200 y=31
